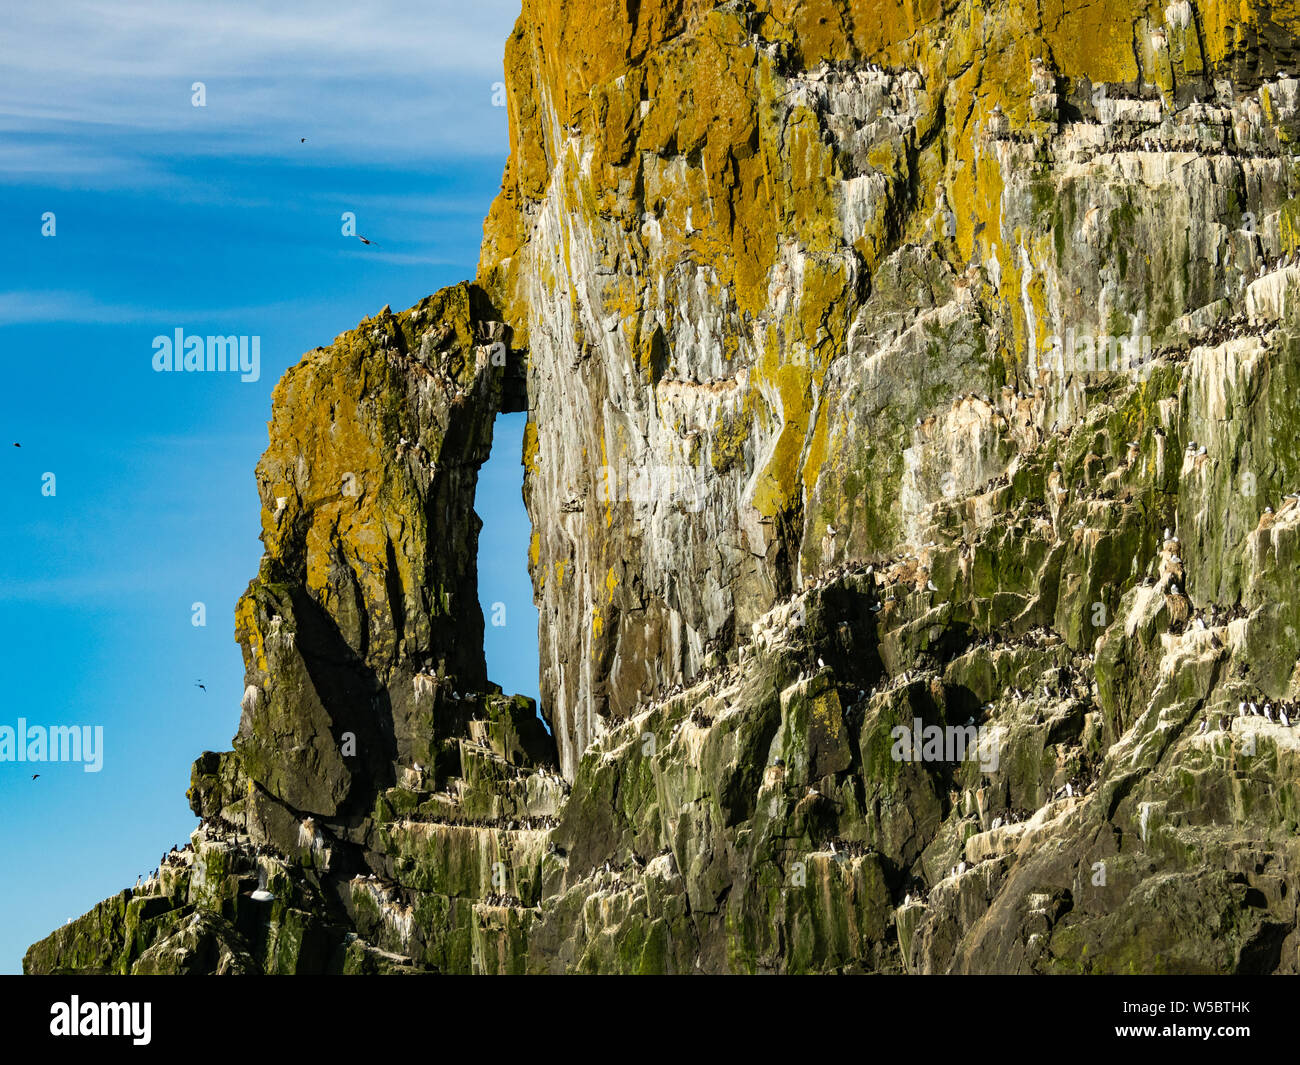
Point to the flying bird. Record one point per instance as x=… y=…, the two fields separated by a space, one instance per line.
x=35 y=775
x=364 y=241
x=200 y=684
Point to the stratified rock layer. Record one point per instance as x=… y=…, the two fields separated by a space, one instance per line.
x=887 y=369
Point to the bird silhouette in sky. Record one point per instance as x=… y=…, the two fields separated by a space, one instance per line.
x=35 y=775
x=18 y=445
x=364 y=241
x=200 y=684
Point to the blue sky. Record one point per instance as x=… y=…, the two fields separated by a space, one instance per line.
x=215 y=219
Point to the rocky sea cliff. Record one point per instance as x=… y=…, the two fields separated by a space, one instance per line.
x=913 y=462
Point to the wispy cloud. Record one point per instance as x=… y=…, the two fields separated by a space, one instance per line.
x=104 y=88
x=18 y=307
x=100 y=586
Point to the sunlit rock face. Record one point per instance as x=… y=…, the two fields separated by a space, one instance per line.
x=762 y=256
x=913 y=466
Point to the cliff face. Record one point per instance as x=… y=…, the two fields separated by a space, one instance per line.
x=884 y=366
x=747 y=247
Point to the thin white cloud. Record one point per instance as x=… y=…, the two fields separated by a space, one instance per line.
x=94 y=586
x=19 y=307
x=402 y=259
x=104 y=87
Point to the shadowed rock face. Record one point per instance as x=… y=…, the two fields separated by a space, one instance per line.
x=929 y=370
x=369 y=577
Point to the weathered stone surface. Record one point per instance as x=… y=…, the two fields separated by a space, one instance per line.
x=923 y=367
x=749 y=246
